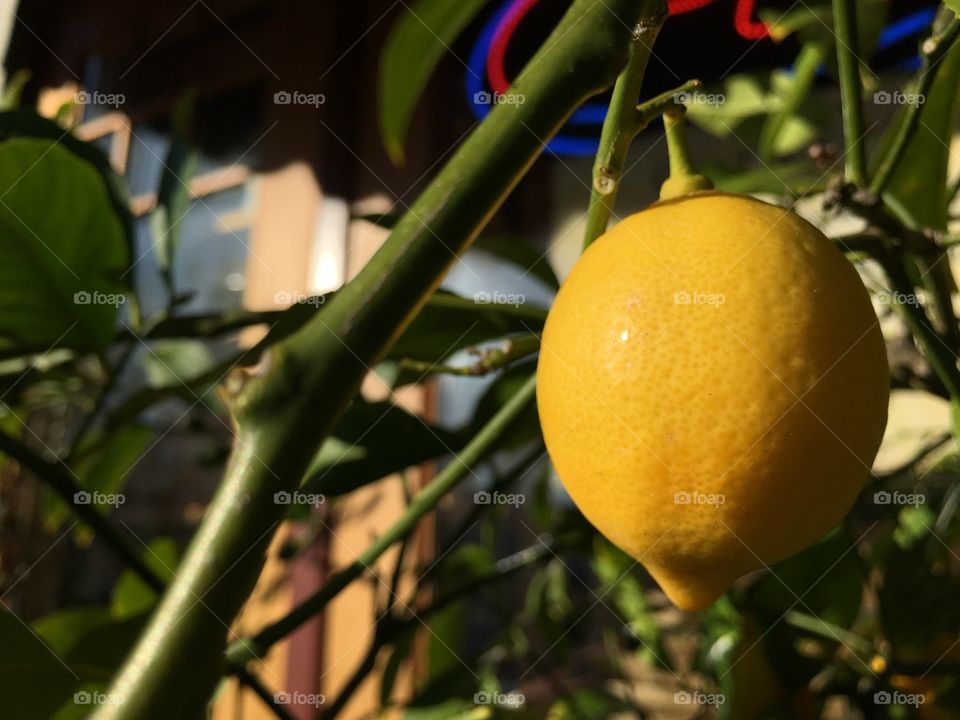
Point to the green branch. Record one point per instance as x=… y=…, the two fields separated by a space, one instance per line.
x=488 y=360
x=244 y=650
x=851 y=90
x=286 y=409
x=620 y=126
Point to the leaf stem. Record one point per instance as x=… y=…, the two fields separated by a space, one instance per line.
x=851 y=90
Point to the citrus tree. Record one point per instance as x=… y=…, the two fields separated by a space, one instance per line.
x=854 y=609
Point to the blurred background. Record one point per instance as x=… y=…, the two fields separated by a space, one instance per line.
x=297 y=132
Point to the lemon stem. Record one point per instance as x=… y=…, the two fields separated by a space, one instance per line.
x=684 y=179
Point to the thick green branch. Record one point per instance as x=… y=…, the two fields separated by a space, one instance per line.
x=286 y=410
x=476 y=450
x=851 y=89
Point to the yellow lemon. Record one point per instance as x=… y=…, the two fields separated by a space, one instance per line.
x=713 y=388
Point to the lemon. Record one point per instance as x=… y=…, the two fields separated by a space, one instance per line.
x=713 y=388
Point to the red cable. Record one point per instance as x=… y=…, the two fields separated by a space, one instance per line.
x=679 y=7
x=498 y=49
x=499 y=83
x=746 y=27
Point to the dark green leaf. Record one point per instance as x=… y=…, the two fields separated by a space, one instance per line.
x=27 y=124
x=421 y=36
x=919 y=182
x=103 y=468
x=521 y=253
x=61 y=250
x=131 y=595
x=34 y=681
x=449 y=323
x=526 y=427
x=374 y=440
x=173 y=195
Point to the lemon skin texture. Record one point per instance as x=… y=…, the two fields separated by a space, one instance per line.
x=712 y=387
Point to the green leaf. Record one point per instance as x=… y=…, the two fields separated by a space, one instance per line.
x=103 y=468
x=449 y=710
x=916 y=605
x=523 y=254
x=919 y=182
x=61 y=250
x=62 y=630
x=828 y=577
x=421 y=36
x=13 y=89
x=131 y=595
x=588 y=704
x=173 y=194
x=526 y=426
x=449 y=323
x=34 y=681
x=27 y=124
x=374 y=440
